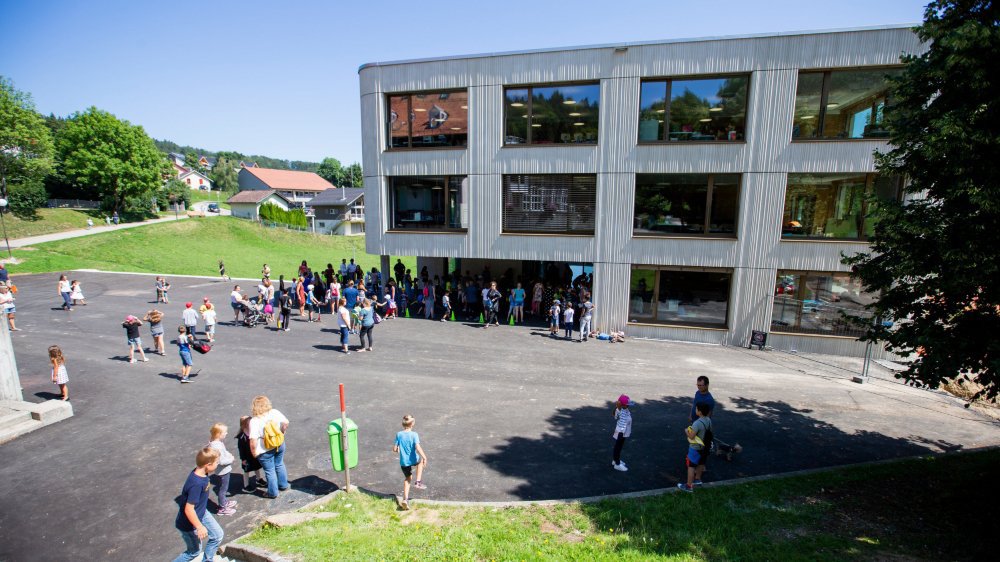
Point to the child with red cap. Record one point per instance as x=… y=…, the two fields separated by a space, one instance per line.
x=623 y=429
x=190 y=317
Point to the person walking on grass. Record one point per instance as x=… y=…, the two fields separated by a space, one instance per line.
x=220 y=476
x=65 y=292
x=623 y=430
x=193 y=520
x=411 y=455
x=131 y=325
x=59 y=376
x=155 y=319
x=7 y=305
x=222 y=271
x=699 y=436
x=184 y=341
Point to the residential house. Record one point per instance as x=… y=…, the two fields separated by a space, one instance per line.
x=247 y=204
x=297 y=187
x=195 y=180
x=245 y=164
x=339 y=211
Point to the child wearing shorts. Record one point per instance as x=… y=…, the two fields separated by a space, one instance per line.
x=131 y=325
x=210 y=318
x=699 y=436
x=410 y=455
x=184 y=349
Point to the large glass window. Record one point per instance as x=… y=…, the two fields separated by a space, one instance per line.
x=555 y=203
x=833 y=205
x=563 y=114
x=678 y=204
x=841 y=104
x=428 y=119
x=429 y=203
x=684 y=297
x=693 y=109
x=816 y=303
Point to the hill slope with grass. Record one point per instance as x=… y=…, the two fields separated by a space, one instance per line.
x=48 y=221
x=194 y=247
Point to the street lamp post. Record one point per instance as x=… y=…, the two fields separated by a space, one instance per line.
x=3 y=211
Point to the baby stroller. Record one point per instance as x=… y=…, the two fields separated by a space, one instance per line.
x=252 y=315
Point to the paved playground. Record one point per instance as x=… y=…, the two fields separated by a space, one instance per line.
x=503 y=414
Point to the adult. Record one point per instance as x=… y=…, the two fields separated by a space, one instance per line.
x=352 y=270
x=366 y=317
x=536 y=299
x=4 y=274
x=399 y=269
x=65 y=291
x=703 y=396
x=430 y=298
x=351 y=295
x=492 y=304
x=7 y=305
x=303 y=268
x=586 y=317
x=328 y=274
x=343 y=323
x=343 y=270
x=236 y=301
x=285 y=303
x=300 y=294
x=517 y=304
x=272 y=459
x=114 y=217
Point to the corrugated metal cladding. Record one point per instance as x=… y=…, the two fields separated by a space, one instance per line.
x=756 y=252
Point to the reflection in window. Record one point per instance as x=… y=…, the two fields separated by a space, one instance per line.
x=428 y=120
x=833 y=205
x=704 y=109
x=566 y=114
x=696 y=204
x=841 y=104
x=429 y=202
x=667 y=296
x=555 y=203
x=815 y=303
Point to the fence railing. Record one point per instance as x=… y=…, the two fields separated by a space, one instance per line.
x=73 y=204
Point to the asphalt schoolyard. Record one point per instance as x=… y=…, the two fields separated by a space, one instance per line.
x=503 y=414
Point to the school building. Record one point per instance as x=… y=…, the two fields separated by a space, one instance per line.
x=711 y=185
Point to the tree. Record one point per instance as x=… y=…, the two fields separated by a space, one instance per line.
x=117 y=158
x=224 y=175
x=332 y=171
x=26 y=147
x=174 y=191
x=934 y=260
x=353 y=176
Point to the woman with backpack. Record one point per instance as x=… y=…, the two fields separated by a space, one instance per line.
x=267 y=443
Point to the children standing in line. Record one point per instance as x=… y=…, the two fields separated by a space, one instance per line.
x=410 y=455
x=210 y=319
x=699 y=436
x=59 y=376
x=220 y=477
x=193 y=520
x=184 y=348
x=131 y=325
x=76 y=293
x=568 y=321
x=248 y=462
x=155 y=319
x=623 y=430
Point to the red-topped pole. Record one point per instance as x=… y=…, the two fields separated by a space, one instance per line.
x=343 y=437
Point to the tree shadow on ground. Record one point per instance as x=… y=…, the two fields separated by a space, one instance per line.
x=573 y=457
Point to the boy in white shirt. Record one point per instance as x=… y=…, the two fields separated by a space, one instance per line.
x=568 y=321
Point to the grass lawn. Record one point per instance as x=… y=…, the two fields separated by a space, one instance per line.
x=935 y=508
x=49 y=221
x=198 y=195
x=194 y=247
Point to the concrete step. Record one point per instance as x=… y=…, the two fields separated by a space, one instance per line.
x=13 y=431
x=13 y=417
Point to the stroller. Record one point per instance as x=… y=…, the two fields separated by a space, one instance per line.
x=252 y=315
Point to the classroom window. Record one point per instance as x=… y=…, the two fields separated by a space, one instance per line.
x=694 y=109
x=428 y=203
x=552 y=114
x=428 y=119
x=686 y=204
x=552 y=203
x=819 y=303
x=842 y=104
x=677 y=296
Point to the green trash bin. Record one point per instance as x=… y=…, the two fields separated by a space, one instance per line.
x=336 y=450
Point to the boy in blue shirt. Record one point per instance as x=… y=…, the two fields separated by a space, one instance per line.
x=193 y=520
x=410 y=455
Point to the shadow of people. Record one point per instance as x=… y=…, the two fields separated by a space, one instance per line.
x=573 y=457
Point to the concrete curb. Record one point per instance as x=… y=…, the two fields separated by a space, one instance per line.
x=255 y=554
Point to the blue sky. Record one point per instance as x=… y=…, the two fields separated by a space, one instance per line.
x=280 y=78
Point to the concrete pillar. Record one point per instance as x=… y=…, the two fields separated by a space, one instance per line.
x=386 y=268
x=10 y=383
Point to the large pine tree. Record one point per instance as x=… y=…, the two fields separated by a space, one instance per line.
x=935 y=258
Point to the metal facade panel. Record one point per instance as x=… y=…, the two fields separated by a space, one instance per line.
x=687 y=252
x=542 y=247
x=613 y=228
x=611 y=287
x=425 y=162
x=485 y=214
x=826 y=346
x=580 y=159
x=560 y=66
x=427 y=245
x=690 y=158
x=762 y=201
x=619 y=124
x=800 y=255
x=831 y=156
x=769 y=127
x=486 y=129
x=676 y=333
x=750 y=303
x=372 y=133
x=374 y=215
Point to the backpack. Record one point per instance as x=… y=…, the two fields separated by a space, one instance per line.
x=273 y=437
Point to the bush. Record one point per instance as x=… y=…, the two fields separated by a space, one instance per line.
x=24 y=198
x=273 y=213
x=175 y=190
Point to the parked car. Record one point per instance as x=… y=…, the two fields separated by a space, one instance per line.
x=213 y=207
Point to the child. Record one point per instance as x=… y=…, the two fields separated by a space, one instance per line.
x=554 y=312
x=76 y=293
x=161 y=290
x=568 y=321
x=193 y=520
x=699 y=436
x=131 y=325
x=209 y=316
x=184 y=348
x=222 y=271
x=446 y=304
x=155 y=319
x=248 y=462
x=623 y=430
x=220 y=477
x=410 y=455
x=59 y=376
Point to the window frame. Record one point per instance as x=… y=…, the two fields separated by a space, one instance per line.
x=530 y=87
x=788 y=331
x=862 y=237
x=708 y=210
x=409 y=111
x=504 y=231
x=656 y=291
x=391 y=215
x=666 y=114
x=824 y=95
